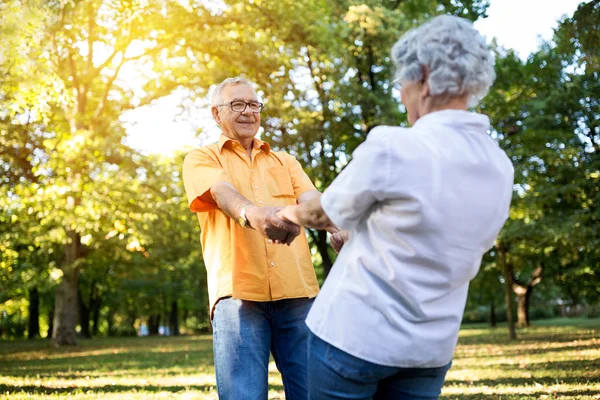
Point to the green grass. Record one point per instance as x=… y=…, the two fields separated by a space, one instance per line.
x=553 y=359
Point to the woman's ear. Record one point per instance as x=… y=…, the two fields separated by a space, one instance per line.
x=425 y=81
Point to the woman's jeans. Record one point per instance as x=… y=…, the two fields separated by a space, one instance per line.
x=335 y=374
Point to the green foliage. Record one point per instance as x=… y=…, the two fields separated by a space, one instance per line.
x=77 y=203
x=544 y=111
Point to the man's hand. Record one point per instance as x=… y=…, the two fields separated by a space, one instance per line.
x=266 y=222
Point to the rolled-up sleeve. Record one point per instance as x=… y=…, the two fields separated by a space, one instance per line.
x=200 y=172
x=361 y=184
x=300 y=181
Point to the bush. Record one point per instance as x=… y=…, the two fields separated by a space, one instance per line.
x=594 y=311
x=195 y=325
x=542 y=313
x=12 y=326
x=123 y=331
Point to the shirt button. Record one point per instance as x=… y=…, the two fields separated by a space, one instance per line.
x=270 y=241
x=260 y=201
x=255 y=187
x=272 y=264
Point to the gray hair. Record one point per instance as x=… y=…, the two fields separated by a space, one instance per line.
x=456 y=54
x=217 y=93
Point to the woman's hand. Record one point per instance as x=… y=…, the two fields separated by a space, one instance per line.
x=338 y=238
x=289 y=214
x=308 y=214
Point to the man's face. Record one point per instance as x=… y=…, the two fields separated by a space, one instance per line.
x=235 y=124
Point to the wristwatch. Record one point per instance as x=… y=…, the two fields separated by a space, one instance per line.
x=243 y=219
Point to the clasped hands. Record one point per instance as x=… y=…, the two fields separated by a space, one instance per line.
x=281 y=225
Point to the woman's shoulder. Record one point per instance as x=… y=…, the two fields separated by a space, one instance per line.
x=396 y=138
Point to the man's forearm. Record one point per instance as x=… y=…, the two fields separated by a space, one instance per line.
x=229 y=200
x=261 y=219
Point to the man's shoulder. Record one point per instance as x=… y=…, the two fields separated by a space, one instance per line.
x=204 y=151
x=283 y=156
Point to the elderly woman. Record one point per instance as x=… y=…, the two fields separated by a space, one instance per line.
x=421 y=206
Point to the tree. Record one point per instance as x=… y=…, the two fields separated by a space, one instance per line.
x=544 y=113
x=69 y=138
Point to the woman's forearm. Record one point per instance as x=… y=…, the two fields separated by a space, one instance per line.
x=311 y=215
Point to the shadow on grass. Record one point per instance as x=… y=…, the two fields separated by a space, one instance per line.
x=9 y=348
x=101 y=389
x=507 y=352
x=500 y=338
x=95 y=374
x=516 y=382
x=44 y=390
x=189 y=361
x=521 y=395
x=565 y=366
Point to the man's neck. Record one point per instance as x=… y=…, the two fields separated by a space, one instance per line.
x=247 y=143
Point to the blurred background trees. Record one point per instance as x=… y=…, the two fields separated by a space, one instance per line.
x=95 y=236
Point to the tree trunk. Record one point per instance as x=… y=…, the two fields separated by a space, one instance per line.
x=95 y=306
x=492 y=315
x=508 y=276
x=65 y=314
x=320 y=239
x=84 y=315
x=523 y=308
x=523 y=292
x=65 y=310
x=174 y=320
x=110 y=320
x=50 y=324
x=153 y=324
x=33 y=331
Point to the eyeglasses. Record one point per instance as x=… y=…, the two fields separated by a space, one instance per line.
x=240 y=106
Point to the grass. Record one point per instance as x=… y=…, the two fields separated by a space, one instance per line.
x=553 y=359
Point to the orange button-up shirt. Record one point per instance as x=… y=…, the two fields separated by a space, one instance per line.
x=240 y=262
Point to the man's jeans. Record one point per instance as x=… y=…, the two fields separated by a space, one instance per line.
x=244 y=332
x=335 y=374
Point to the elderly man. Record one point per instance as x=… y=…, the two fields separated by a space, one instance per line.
x=260 y=290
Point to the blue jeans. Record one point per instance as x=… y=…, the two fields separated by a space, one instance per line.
x=244 y=332
x=335 y=374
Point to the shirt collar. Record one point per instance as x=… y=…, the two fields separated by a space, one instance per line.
x=457 y=118
x=257 y=144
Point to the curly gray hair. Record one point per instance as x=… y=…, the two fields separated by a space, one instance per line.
x=456 y=54
x=216 y=99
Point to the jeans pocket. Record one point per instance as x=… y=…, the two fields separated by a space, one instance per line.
x=351 y=367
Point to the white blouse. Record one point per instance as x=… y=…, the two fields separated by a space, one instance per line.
x=422 y=205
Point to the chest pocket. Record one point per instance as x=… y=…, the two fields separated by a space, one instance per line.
x=279 y=182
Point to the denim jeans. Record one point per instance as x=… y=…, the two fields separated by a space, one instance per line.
x=244 y=332
x=335 y=374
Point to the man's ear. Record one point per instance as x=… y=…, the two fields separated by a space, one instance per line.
x=425 y=81
x=215 y=113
